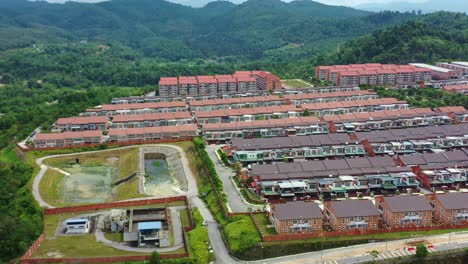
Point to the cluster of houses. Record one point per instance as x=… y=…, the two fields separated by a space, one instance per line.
x=319 y=112
x=354 y=177
x=391 y=212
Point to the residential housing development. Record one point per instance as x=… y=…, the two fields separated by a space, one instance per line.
x=373 y=74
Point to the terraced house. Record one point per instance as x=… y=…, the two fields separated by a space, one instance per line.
x=136 y=109
x=312 y=98
x=299 y=147
x=248 y=114
x=306 y=125
x=357 y=106
x=451 y=208
x=348 y=176
x=296 y=217
x=235 y=103
x=459 y=113
x=351 y=215
x=67 y=139
x=439 y=171
x=405 y=210
x=152 y=133
x=73 y=124
x=411 y=140
x=152 y=120
x=389 y=119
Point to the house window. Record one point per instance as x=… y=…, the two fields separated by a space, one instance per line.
x=344 y=220
x=315 y=221
x=282 y=230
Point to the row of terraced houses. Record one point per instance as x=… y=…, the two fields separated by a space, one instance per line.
x=301 y=217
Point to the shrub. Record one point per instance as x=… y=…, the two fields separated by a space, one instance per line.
x=421 y=251
x=155 y=258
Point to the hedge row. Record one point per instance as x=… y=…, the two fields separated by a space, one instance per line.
x=200 y=149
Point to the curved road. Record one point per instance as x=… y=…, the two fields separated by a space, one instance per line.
x=219 y=248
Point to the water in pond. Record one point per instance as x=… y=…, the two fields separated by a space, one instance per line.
x=88 y=184
x=159 y=181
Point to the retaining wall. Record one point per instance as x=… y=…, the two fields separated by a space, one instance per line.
x=101 y=259
x=91 y=207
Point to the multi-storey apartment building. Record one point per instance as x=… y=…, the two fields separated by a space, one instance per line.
x=460 y=66
x=451 y=208
x=169 y=86
x=351 y=214
x=439 y=73
x=207 y=85
x=296 y=218
x=373 y=73
x=405 y=210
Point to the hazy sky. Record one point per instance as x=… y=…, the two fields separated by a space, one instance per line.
x=331 y=2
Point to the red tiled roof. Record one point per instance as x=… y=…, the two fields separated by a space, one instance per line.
x=456 y=87
x=347 y=104
x=452 y=109
x=147 y=130
x=82 y=120
x=246 y=79
x=328 y=95
x=113 y=107
x=270 y=123
x=248 y=111
x=151 y=117
x=68 y=135
x=268 y=98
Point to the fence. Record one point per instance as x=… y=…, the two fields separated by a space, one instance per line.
x=356 y=232
x=111 y=144
x=100 y=259
x=91 y=207
x=33 y=247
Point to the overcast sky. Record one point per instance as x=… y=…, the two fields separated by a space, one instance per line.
x=331 y=2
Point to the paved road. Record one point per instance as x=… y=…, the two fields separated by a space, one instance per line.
x=235 y=201
x=339 y=255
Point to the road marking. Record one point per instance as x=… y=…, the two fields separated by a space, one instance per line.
x=431 y=249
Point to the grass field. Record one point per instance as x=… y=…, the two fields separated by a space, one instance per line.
x=128 y=190
x=116 y=237
x=184 y=215
x=50 y=188
x=263 y=221
x=295 y=83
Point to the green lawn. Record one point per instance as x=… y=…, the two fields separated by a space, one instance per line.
x=116 y=237
x=263 y=221
x=50 y=188
x=184 y=215
x=295 y=83
x=128 y=190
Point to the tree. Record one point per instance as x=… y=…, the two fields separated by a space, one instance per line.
x=421 y=251
x=306 y=113
x=155 y=258
x=238 y=167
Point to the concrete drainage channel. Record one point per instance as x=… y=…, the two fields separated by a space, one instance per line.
x=163 y=174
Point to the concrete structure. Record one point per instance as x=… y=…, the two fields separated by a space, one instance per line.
x=351 y=215
x=438 y=73
x=373 y=73
x=405 y=211
x=67 y=139
x=296 y=217
x=148 y=233
x=77 y=226
x=451 y=208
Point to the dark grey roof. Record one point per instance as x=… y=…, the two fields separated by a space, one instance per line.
x=456 y=155
x=297 y=210
x=453 y=200
x=339 y=164
x=413 y=160
x=382 y=161
x=407 y=203
x=353 y=208
x=292 y=142
x=434 y=158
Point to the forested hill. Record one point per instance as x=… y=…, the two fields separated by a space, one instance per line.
x=160 y=29
x=435 y=37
